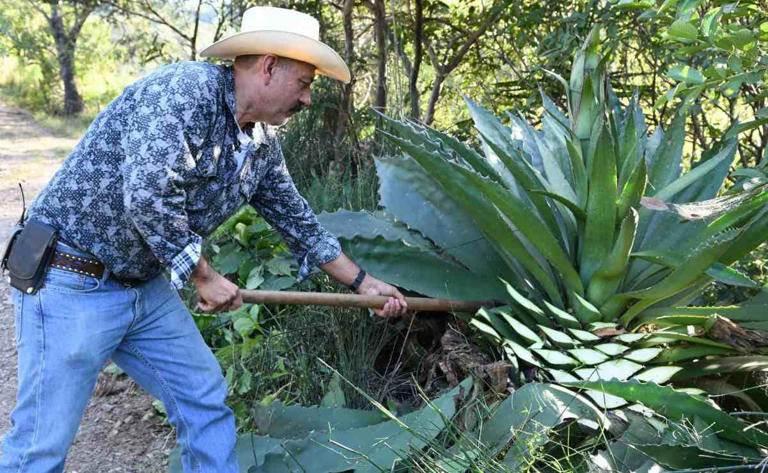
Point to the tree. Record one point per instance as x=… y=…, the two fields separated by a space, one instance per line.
x=65 y=20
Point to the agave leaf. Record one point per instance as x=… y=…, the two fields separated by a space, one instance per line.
x=350 y=225
x=687 y=273
x=588 y=356
x=289 y=422
x=643 y=355
x=527 y=305
x=585 y=311
x=679 y=406
x=731 y=364
x=658 y=374
x=611 y=349
x=466 y=193
x=515 y=350
x=583 y=335
x=358 y=449
x=609 y=275
x=529 y=414
x=421 y=271
x=748 y=240
x=601 y=209
x=577 y=211
x=559 y=338
x=499 y=325
x=554 y=357
x=683 y=182
x=665 y=164
x=524 y=332
x=632 y=192
x=563 y=318
x=579 y=173
x=486 y=329
x=412 y=196
x=613 y=369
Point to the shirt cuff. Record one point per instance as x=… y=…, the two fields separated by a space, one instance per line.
x=324 y=251
x=184 y=263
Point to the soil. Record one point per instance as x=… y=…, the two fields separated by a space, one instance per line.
x=120 y=431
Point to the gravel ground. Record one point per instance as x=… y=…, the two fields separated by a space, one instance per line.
x=120 y=431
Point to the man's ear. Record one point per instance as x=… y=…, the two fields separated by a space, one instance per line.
x=268 y=67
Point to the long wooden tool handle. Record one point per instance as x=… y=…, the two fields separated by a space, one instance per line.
x=355 y=300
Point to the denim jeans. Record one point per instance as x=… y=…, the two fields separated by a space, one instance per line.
x=68 y=330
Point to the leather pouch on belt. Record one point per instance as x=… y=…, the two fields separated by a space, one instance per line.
x=28 y=255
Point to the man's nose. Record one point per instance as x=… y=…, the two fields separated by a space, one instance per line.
x=306 y=99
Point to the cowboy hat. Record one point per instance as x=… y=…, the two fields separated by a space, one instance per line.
x=282 y=32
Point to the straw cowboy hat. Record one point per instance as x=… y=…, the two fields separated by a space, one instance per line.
x=282 y=32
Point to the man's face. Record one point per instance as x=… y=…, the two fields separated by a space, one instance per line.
x=288 y=91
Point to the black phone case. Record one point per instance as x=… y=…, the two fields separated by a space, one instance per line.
x=29 y=254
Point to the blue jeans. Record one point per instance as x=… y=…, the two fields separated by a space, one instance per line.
x=68 y=330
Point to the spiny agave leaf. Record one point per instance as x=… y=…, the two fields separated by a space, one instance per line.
x=515 y=350
x=250 y=450
x=611 y=349
x=612 y=369
x=664 y=165
x=689 y=457
x=588 y=356
x=349 y=225
x=527 y=305
x=560 y=376
x=456 y=179
x=676 y=354
x=559 y=338
x=731 y=276
x=609 y=275
x=643 y=355
x=679 y=406
x=664 y=337
x=421 y=271
x=500 y=326
x=724 y=156
x=359 y=449
x=486 y=329
x=577 y=211
x=601 y=208
x=731 y=364
x=579 y=172
x=563 y=318
x=632 y=192
x=528 y=416
x=749 y=239
x=658 y=374
x=524 y=332
x=585 y=311
x=498 y=138
x=630 y=338
x=554 y=357
x=689 y=271
x=706 y=209
x=414 y=198
x=280 y=421
x=583 y=335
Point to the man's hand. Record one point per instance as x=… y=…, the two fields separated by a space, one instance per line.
x=395 y=306
x=217 y=293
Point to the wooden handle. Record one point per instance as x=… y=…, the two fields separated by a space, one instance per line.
x=355 y=300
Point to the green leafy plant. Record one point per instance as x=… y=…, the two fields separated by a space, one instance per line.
x=587 y=229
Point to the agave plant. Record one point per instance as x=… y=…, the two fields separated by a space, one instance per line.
x=587 y=229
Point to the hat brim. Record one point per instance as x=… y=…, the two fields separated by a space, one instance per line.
x=282 y=43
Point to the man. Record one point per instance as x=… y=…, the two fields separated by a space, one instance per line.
x=162 y=166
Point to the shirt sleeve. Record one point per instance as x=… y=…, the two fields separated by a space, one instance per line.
x=279 y=202
x=169 y=117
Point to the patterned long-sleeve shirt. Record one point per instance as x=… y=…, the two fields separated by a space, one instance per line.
x=162 y=166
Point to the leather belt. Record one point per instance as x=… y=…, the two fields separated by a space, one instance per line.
x=77 y=264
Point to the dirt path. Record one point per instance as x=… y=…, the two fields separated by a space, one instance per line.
x=120 y=431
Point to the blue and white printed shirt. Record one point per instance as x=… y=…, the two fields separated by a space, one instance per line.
x=166 y=163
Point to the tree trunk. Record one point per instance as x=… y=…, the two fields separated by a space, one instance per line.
x=65 y=54
x=418 y=43
x=345 y=104
x=380 y=102
x=433 y=97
